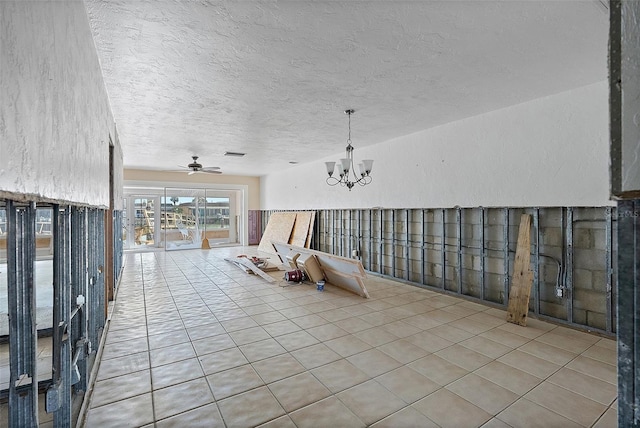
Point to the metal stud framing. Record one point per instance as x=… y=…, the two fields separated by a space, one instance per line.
x=380 y=242
x=21 y=255
x=393 y=243
x=407 y=246
x=536 y=260
x=505 y=249
x=483 y=251
x=58 y=397
x=459 y=248
x=385 y=235
x=423 y=233
x=79 y=260
x=369 y=256
x=569 y=264
x=443 y=250
x=609 y=270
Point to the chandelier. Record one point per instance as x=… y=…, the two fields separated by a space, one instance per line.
x=346 y=168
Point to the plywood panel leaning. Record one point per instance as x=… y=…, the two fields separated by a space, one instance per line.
x=522 y=275
x=342 y=272
x=279 y=229
x=301 y=231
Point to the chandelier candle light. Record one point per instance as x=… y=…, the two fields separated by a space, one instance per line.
x=345 y=165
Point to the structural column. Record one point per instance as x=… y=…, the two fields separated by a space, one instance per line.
x=624 y=90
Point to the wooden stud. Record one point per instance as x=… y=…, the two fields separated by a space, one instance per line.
x=522 y=276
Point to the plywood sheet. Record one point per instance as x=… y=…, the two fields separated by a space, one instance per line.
x=339 y=271
x=245 y=263
x=301 y=228
x=278 y=229
x=522 y=276
x=312 y=223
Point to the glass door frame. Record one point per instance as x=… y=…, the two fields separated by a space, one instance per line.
x=129 y=221
x=238 y=204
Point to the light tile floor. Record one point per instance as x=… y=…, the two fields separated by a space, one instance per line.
x=196 y=342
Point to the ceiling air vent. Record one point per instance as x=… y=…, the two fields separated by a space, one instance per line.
x=236 y=154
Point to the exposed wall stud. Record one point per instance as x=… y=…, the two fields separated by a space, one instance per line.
x=423 y=232
x=370 y=255
x=483 y=251
x=388 y=244
x=393 y=243
x=334 y=232
x=536 y=261
x=443 y=250
x=58 y=397
x=79 y=260
x=505 y=255
x=569 y=265
x=381 y=243
x=407 y=245
x=609 y=269
x=23 y=373
x=459 y=247
x=353 y=227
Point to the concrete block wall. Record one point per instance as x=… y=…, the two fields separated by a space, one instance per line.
x=573 y=281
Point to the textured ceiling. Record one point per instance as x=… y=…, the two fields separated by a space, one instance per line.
x=272 y=79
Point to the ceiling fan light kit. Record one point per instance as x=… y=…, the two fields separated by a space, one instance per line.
x=346 y=166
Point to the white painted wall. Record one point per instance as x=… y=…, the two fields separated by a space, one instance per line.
x=551 y=151
x=55 y=118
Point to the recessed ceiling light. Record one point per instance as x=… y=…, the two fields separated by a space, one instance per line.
x=236 y=154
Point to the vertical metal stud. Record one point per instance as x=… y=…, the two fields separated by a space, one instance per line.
x=459 y=247
x=341 y=228
x=359 y=234
x=483 y=251
x=59 y=394
x=423 y=230
x=407 y=246
x=381 y=243
x=609 y=269
x=23 y=373
x=79 y=257
x=370 y=255
x=536 y=261
x=569 y=264
x=393 y=243
x=443 y=244
x=351 y=235
x=334 y=232
x=505 y=255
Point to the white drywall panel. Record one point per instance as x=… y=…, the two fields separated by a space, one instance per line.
x=55 y=119
x=551 y=151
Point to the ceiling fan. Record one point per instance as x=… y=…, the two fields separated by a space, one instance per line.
x=195 y=166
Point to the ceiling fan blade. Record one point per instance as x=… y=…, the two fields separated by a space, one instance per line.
x=192 y=172
x=210 y=167
x=211 y=172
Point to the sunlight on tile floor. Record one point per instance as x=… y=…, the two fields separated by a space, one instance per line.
x=196 y=342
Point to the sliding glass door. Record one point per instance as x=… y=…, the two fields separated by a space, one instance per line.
x=192 y=215
x=177 y=218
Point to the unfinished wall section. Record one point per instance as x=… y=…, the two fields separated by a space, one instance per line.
x=470 y=252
